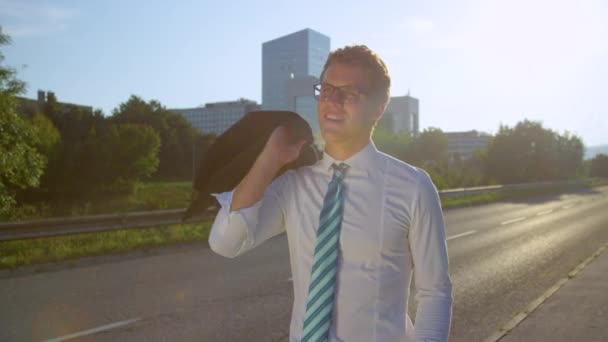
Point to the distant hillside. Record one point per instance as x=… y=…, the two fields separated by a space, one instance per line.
x=592 y=151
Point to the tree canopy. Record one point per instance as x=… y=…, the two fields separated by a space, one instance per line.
x=599 y=166
x=529 y=152
x=21 y=166
x=177 y=136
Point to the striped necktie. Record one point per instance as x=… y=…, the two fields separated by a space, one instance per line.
x=320 y=300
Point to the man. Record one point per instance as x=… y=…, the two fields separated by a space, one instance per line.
x=358 y=222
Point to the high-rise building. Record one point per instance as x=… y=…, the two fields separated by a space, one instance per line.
x=217 y=117
x=291 y=66
x=27 y=107
x=462 y=145
x=402 y=114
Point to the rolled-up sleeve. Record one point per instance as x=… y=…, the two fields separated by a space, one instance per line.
x=234 y=233
x=430 y=259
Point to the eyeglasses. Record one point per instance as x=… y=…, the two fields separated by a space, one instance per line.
x=346 y=94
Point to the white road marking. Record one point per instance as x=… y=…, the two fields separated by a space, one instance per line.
x=512 y=221
x=461 y=235
x=567 y=206
x=544 y=212
x=94 y=330
x=290 y=279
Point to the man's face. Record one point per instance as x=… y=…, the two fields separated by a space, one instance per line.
x=345 y=110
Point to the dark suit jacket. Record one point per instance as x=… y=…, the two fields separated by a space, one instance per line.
x=233 y=153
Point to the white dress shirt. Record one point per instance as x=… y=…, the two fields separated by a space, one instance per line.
x=392 y=225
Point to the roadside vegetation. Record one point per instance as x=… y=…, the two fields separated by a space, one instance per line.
x=72 y=247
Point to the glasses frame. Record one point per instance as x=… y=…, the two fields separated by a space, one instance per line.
x=343 y=95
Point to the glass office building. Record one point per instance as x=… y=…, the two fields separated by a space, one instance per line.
x=462 y=145
x=402 y=114
x=291 y=65
x=217 y=117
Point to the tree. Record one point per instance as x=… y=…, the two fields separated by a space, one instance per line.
x=177 y=135
x=393 y=144
x=530 y=153
x=430 y=148
x=108 y=159
x=128 y=153
x=48 y=135
x=73 y=169
x=20 y=163
x=505 y=160
x=430 y=152
x=599 y=166
x=520 y=154
x=466 y=172
x=570 y=154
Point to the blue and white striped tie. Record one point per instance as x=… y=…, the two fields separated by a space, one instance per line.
x=320 y=300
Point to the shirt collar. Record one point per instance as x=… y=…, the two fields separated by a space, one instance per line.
x=362 y=162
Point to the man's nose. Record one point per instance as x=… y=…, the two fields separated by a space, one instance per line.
x=336 y=96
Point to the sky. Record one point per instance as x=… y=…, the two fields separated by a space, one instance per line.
x=473 y=64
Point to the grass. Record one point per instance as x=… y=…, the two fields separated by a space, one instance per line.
x=147 y=197
x=69 y=247
x=599 y=182
x=54 y=249
x=155 y=196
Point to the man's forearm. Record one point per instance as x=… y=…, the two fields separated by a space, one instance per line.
x=434 y=315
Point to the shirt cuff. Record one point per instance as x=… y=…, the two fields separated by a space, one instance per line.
x=233 y=232
x=249 y=215
x=224 y=198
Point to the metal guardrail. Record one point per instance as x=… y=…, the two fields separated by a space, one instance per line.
x=86 y=224
x=497 y=188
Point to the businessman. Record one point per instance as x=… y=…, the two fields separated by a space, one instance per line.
x=359 y=223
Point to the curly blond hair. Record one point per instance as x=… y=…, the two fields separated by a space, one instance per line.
x=364 y=57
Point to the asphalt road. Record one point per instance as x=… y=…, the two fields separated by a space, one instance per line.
x=502 y=257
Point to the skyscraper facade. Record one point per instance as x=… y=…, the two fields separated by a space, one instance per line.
x=291 y=65
x=402 y=114
x=462 y=145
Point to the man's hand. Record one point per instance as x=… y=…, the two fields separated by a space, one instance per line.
x=280 y=150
